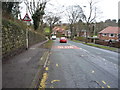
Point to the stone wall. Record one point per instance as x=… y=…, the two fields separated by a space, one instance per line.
x=14 y=38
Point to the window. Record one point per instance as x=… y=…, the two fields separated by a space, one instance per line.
x=104 y=34
x=118 y=35
x=111 y=35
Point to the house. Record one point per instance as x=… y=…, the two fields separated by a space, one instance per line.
x=82 y=33
x=58 y=30
x=109 y=33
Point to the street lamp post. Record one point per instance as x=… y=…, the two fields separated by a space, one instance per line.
x=94 y=31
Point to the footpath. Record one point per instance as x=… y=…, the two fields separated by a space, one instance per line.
x=25 y=69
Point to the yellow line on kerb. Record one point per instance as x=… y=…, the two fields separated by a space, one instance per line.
x=104 y=82
x=108 y=86
x=43 y=81
x=46 y=68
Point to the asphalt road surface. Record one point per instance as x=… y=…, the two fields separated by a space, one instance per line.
x=75 y=65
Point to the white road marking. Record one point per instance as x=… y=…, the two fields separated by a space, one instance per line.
x=93 y=71
x=104 y=59
x=46 y=61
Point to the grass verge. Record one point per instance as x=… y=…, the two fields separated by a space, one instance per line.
x=47 y=45
x=99 y=46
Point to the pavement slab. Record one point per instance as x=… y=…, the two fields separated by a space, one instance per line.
x=19 y=71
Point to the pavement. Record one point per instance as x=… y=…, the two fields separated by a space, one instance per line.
x=23 y=70
x=75 y=65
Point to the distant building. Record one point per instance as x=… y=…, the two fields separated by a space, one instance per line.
x=58 y=30
x=110 y=33
x=82 y=33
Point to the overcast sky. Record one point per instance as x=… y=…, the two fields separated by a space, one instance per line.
x=109 y=8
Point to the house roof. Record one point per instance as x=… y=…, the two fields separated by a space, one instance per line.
x=111 y=29
x=58 y=29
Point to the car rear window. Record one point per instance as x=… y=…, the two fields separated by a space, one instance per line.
x=53 y=36
x=62 y=38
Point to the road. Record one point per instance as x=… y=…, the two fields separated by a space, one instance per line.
x=75 y=65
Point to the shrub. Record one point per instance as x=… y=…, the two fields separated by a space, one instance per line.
x=80 y=38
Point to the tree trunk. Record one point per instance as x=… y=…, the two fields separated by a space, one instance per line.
x=87 y=30
x=71 y=29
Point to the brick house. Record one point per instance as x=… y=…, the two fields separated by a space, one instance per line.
x=109 y=33
x=82 y=33
x=58 y=30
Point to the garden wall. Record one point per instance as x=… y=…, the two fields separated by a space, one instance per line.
x=14 y=37
x=106 y=43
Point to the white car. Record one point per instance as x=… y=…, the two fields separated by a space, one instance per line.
x=53 y=37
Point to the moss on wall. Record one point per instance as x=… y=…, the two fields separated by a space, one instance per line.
x=14 y=37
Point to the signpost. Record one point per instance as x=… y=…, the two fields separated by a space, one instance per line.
x=27 y=19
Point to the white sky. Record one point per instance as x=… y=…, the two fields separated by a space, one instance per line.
x=109 y=8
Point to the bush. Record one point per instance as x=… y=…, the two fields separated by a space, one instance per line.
x=80 y=38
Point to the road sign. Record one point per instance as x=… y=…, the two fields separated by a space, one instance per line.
x=26 y=18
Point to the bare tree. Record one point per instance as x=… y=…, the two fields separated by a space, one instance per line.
x=74 y=14
x=36 y=9
x=91 y=18
x=11 y=9
x=51 y=20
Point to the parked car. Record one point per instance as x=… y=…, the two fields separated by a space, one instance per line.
x=53 y=37
x=63 y=40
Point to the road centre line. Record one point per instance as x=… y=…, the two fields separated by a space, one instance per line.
x=93 y=71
